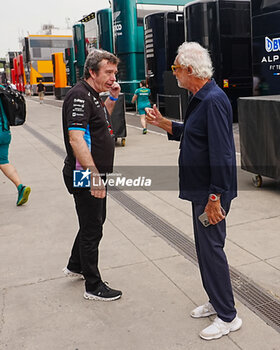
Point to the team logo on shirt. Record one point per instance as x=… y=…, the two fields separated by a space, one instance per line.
x=77 y=100
x=95 y=100
x=78 y=107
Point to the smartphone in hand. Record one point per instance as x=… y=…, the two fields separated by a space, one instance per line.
x=203 y=218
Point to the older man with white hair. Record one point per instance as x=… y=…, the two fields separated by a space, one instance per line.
x=207 y=177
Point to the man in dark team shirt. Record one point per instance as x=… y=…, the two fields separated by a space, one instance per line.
x=89 y=143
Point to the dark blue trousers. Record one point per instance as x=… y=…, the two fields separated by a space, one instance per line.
x=209 y=242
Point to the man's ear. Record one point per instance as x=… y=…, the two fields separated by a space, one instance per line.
x=92 y=73
x=189 y=69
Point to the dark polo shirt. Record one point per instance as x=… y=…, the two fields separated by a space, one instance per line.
x=84 y=110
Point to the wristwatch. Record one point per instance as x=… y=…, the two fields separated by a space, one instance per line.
x=213 y=197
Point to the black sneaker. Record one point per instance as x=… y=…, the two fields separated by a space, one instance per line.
x=103 y=292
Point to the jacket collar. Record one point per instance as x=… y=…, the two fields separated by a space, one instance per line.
x=198 y=97
x=203 y=92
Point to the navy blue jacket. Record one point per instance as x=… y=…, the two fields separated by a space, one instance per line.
x=207 y=161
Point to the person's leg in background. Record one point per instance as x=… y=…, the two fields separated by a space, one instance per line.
x=9 y=170
x=143 y=120
x=41 y=96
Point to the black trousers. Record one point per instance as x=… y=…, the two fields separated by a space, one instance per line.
x=214 y=270
x=91 y=213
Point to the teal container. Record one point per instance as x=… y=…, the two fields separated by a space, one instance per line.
x=105 y=30
x=70 y=66
x=129 y=41
x=129 y=46
x=80 y=49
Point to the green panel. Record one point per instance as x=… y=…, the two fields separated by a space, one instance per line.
x=125 y=26
x=140 y=39
x=80 y=47
x=127 y=67
x=105 y=30
x=70 y=66
x=140 y=73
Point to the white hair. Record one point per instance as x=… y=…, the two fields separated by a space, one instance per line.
x=194 y=55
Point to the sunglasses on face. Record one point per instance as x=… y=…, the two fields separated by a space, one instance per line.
x=175 y=67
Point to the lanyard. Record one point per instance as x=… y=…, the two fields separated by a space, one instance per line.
x=111 y=132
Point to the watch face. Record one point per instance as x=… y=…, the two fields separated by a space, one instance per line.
x=213 y=197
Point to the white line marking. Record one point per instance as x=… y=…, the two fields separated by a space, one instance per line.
x=45 y=104
x=149 y=131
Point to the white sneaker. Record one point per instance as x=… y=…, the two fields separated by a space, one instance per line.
x=219 y=328
x=69 y=273
x=203 y=311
